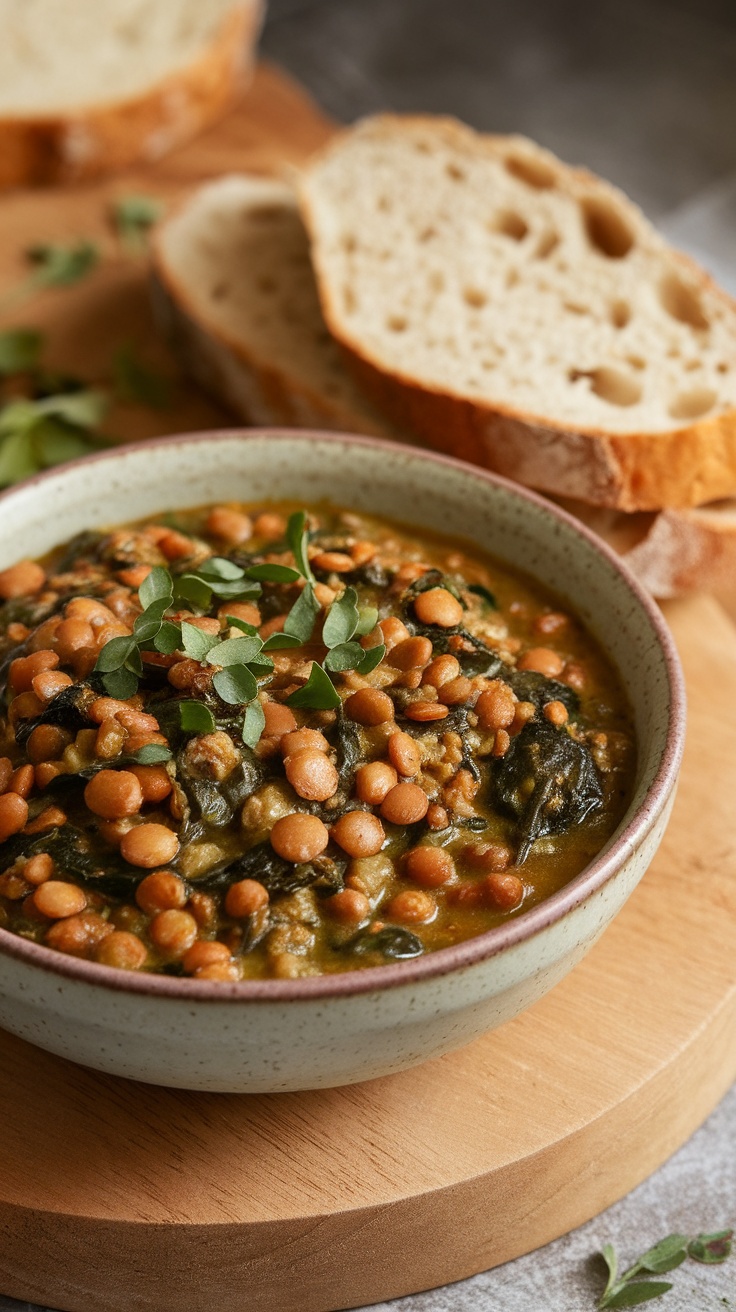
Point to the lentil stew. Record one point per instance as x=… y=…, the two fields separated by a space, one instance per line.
x=251 y=742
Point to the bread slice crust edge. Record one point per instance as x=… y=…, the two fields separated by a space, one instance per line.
x=57 y=148
x=685 y=466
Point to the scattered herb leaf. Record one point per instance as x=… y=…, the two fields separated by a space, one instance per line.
x=254 y=723
x=272 y=573
x=235 y=623
x=156 y=586
x=342 y=620
x=301 y=619
x=195 y=717
x=280 y=640
x=711 y=1249
x=368 y=619
x=630 y=1290
x=20 y=349
x=347 y=656
x=132 y=217
x=137 y=382
x=195 y=642
x=168 y=638
x=153 y=754
x=319 y=692
x=297 y=536
x=234 y=651
x=60 y=266
x=235 y=684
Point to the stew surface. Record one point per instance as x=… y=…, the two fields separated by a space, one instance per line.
x=250 y=742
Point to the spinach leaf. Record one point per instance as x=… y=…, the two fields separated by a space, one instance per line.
x=393 y=942
x=547 y=781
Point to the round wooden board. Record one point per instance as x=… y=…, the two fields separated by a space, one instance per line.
x=116 y=1197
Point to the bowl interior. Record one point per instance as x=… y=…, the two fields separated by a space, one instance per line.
x=398 y=482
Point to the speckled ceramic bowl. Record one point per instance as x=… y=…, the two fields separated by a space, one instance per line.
x=320 y=1032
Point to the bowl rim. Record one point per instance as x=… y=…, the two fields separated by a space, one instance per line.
x=468 y=952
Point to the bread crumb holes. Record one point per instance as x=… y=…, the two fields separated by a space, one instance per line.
x=682 y=302
x=691 y=405
x=606 y=229
x=534 y=172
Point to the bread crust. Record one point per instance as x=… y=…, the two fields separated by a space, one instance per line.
x=255 y=388
x=681 y=467
x=52 y=149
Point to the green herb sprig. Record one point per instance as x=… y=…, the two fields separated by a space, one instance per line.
x=634 y=1286
x=241 y=663
x=132 y=217
x=344 y=622
x=135 y=381
x=36 y=434
x=54 y=265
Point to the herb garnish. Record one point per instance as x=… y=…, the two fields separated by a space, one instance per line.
x=137 y=382
x=634 y=1287
x=132 y=217
x=55 y=265
x=241 y=663
x=20 y=349
x=36 y=434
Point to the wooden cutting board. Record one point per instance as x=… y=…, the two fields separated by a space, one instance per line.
x=117 y=1197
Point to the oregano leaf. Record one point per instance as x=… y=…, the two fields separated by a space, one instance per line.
x=235 y=684
x=219 y=568
x=300 y=621
x=297 y=538
x=318 y=694
x=193 y=589
x=20 y=349
x=254 y=723
x=342 y=619
x=153 y=754
x=642 y=1291
x=168 y=638
x=120 y=684
x=347 y=656
x=235 y=651
x=672 y=1246
x=114 y=654
x=235 y=623
x=711 y=1249
x=267 y=573
x=195 y=717
x=367 y=620
x=281 y=640
x=156 y=586
x=195 y=642
x=138 y=382
x=371 y=658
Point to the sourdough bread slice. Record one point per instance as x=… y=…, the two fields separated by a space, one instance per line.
x=523 y=314
x=90 y=87
x=673 y=552
x=235 y=294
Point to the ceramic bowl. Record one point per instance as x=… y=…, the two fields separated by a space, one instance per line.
x=325 y=1031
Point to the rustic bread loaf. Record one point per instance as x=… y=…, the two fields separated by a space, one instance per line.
x=235 y=292
x=90 y=87
x=523 y=314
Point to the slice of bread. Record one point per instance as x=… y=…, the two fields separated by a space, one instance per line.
x=235 y=293
x=523 y=314
x=91 y=86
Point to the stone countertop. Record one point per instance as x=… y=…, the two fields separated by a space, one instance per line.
x=644 y=92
